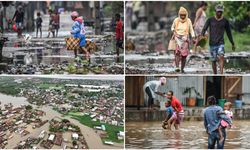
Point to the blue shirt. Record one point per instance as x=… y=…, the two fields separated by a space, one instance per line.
x=169 y=111
x=212 y=118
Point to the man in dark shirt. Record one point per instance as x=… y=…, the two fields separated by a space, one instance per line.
x=217 y=26
x=19 y=16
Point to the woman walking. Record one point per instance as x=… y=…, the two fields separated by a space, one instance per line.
x=199 y=22
x=181 y=28
x=78 y=31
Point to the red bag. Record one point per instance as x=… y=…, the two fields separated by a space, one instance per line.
x=14 y=27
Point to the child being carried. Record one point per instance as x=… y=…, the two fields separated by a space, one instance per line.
x=170 y=116
x=226 y=119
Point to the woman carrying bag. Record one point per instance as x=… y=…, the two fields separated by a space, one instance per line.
x=78 y=33
x=181 y=28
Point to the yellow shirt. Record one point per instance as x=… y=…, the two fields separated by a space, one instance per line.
x=183 y=28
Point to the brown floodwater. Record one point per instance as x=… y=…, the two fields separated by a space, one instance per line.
x=192 y=135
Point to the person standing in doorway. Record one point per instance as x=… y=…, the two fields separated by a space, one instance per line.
x=217 y=26
x=151 y=88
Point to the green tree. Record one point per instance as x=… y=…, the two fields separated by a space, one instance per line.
x=28 y=107
x=237 y=12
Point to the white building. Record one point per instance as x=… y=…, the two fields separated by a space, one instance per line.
x=51 y=137
x=75 y=136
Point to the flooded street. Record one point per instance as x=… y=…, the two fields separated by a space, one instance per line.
x=45 y=55
x=92 y=138
x=16 y=101
x=137 y=63
x=192 y=135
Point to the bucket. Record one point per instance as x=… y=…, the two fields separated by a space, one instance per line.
x=190 y=102
x=199 y=102
x=221 y=102
x=238 y=103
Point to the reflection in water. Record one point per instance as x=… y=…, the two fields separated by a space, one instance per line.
x=191 y=135
x=241 y=63
x=54 y=52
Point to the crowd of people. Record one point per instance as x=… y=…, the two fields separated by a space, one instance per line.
x=216 y=120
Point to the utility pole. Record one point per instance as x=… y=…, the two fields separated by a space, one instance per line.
x=97 y=18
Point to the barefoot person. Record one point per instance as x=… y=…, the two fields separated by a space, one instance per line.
x=151 y=88
x=199 y=22
x=19 y=17
x=212 y=122
x=223 y=123
x=170 y=118
x=118 y=34
x=178 y=109
x=181 y=28
x=78 y=31
x=217 y=26
x=39 y=22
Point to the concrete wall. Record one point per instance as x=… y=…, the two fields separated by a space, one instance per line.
x=195 y=113
x=178 y=85
x=246 y=89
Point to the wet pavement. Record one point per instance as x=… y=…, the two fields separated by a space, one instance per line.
x=160 y=63
x=49 y=56
x=192 y=135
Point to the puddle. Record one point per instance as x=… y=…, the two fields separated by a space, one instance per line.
x=54 y=52
x=195 y=64
x=241 y=64
x=191 y=136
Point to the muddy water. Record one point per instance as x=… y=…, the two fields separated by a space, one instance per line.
x=16 y=101
x=191 y=136
x=92 y=138
x=239 y=63
x=232 y=65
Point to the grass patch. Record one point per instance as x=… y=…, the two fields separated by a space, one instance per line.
x=241 y=41
x=48 y=85
x=110 y=129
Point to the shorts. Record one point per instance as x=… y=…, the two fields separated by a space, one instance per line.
x=180 y=117
x=174 y=116
x=119 y=43
x=216 y=51
x=19 y=25
x=82 y=41
x=56 y=26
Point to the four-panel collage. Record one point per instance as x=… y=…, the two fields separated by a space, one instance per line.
x=124 y=74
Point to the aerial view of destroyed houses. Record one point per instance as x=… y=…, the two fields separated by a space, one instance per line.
x=33 y=37
x=61 y=113
x=152 y=46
